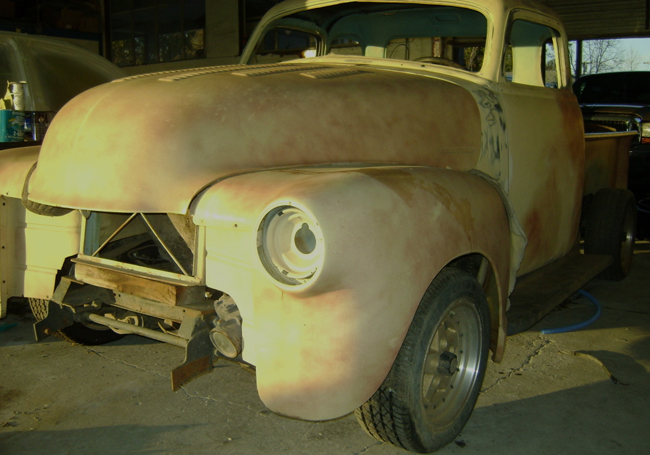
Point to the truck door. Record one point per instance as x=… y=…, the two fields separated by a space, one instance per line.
x=545 y=139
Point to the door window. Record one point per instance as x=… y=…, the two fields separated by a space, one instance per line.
x=531 y=57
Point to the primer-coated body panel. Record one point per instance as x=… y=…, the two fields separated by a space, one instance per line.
x=546 y=145
x=206 y=127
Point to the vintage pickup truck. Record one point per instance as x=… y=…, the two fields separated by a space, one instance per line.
x=372 y=201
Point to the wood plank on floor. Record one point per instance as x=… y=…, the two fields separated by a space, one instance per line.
x=539 y=292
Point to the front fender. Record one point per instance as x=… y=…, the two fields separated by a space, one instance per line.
x=323 y=350
x=15 y=164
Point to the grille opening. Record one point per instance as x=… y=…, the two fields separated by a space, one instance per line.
x=157 y=241
x=613 y=122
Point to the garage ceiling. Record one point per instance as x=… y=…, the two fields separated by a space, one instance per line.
x=585 y=19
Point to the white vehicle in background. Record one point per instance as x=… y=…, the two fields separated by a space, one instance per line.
x=54 y=72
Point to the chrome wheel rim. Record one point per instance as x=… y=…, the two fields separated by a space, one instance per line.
x=452 y=363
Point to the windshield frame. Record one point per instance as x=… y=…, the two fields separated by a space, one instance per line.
x=290 y=8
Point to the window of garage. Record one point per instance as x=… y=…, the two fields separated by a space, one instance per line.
x=145 y=32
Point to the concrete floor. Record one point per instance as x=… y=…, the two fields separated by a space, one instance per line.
x=57 y=398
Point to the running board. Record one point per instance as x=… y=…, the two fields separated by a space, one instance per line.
x=539 y=292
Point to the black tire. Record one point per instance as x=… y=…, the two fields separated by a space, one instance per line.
x=430 y=391
x=77 y=333
x=611 y=230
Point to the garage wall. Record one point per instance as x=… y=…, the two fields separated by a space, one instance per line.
x=588 y=19
x=221 y=40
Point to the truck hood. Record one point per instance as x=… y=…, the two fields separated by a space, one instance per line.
x=151 y=143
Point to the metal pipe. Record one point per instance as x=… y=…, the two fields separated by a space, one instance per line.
x=164 y=337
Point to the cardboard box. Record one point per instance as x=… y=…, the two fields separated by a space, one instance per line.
x=12 y=126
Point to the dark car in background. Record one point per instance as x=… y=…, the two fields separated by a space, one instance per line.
x=621 y=102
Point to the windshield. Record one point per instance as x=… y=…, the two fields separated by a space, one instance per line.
x=614 y=88
x=442 y=35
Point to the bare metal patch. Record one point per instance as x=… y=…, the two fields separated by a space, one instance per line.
x=331 y=73
x=200 y=72
x=268 y=70
x=182 y=72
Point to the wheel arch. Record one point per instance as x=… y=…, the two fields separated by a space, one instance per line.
x=480 y=267
x=435 y=380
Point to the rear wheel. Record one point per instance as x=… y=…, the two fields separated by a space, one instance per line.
x=611 y=230
x=77 y=333
x=430 y=391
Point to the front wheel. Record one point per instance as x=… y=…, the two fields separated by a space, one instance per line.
x=430 y=391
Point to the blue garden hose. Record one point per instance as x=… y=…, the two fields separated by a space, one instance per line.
x=580 y=325
x=644 y=203
x=7 y=326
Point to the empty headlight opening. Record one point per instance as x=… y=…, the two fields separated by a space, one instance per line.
x=290 y=245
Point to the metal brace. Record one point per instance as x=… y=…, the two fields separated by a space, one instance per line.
x=62 y=314
x=199 y=352
x=69 y=304
x=58 y=317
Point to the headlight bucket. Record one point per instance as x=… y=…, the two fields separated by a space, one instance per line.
x=290 y=245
